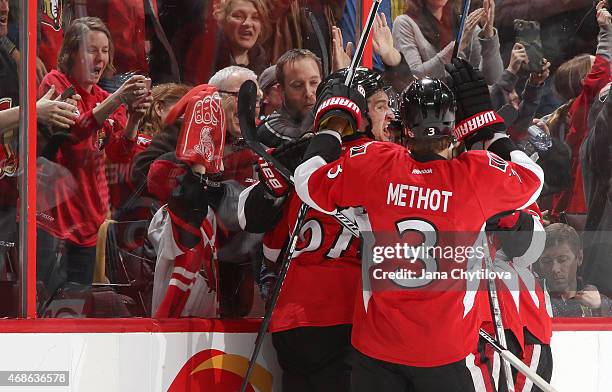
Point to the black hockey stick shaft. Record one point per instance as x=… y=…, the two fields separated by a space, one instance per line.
x=246 y=117
x=275 y=294
x=517 y=363
x=464 y=15
x=362 y=43
x=496 y=313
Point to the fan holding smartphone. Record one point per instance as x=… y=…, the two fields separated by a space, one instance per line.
x=528 y=35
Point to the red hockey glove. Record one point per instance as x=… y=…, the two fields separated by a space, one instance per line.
x=336 y=100
x=202 y=136
x=475 y=118
x=290 y=155
x=274 y=181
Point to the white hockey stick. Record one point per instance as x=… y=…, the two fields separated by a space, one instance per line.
x=496 y=314
x=517 y=363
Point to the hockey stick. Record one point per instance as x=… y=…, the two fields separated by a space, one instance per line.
x=263 y=328
x=517 y=363
x=496 y=314
x=246 y=117
x=464 y=14
x=362 y=42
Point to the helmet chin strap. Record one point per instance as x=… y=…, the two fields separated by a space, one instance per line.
x=368 y=128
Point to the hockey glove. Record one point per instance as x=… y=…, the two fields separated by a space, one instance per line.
x=267 y=280
x=188 y=204
x=335 y=100
x=290 y=156
x=513 y=232
x=475 y=118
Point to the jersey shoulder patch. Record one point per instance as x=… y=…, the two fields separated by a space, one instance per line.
x=497 y=162
x=359 y=150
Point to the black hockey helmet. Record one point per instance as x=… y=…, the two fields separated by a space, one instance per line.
x=366 y=81
x=427 y=109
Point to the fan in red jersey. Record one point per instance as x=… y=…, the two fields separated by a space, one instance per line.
x=185 y=231
x=519 y=238
x=421 y=334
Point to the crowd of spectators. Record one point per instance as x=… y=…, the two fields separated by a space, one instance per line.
x=110 y=72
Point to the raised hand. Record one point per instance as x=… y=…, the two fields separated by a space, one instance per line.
x=382 y=41
x=470 y=25
x=538 y=78
x=132 y=91
x=488 y=18
x=604 y=19
x=341 y=56
x=55 y=113
x=517 y=58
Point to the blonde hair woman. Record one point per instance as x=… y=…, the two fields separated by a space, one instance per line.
x=244 y=27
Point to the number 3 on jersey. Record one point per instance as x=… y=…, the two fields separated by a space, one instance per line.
x=430 y=239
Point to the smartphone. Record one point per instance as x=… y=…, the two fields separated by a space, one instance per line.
x=69 y=92
x=528 y=35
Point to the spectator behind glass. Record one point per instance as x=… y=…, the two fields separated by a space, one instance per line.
x=272 y=98
x=559 y=265
x=596 y=159
x=164 y=96
x=579 y=81
x=106 y=126
x=425 y=36
x=298 y=72
x=244 y=27
x=228 y=81
x=129 y=200
x=518 y=111
x=237 y=249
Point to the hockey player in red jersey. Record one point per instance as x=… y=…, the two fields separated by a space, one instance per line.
x=418 y=334
x=311 y=323
x=519 y=239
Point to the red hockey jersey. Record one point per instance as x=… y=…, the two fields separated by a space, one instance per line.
x=324 y=274
x=425 y=321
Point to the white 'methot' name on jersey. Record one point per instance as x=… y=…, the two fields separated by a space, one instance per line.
x=422 y=198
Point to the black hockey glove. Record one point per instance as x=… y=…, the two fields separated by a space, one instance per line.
x=188 y=204
x=513 y=231
x=290 y=156
x=267 y=280
x=335 y=100
x=475 y=118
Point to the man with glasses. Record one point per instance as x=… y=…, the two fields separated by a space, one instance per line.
x=228 y=81
x=238 y=249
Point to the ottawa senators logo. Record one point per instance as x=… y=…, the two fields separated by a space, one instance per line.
x=497 y=162
x=52 y=13
x=215 y=370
